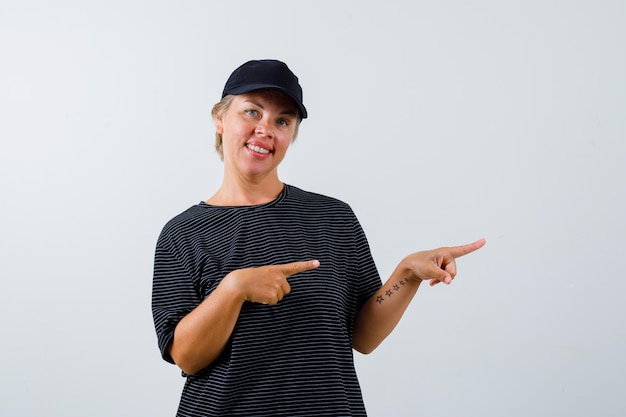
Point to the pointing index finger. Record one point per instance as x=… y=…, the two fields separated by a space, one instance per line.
x=458 y=251
x=296 y=267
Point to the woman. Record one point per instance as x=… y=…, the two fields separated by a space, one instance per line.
x=261 y=292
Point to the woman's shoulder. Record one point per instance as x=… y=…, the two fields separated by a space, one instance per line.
x=301 y=196
x=186 y=220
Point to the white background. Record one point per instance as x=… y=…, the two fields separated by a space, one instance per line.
x=439 y=122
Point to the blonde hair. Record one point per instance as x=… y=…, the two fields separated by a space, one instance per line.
x=218 y=111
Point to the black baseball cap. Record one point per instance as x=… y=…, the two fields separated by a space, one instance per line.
x=265 y=73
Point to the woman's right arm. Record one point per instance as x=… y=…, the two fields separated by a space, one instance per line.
x=202 y=334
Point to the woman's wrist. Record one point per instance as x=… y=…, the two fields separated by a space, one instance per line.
x=406 y=271
x=232 y=286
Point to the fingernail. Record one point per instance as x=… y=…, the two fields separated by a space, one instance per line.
x=316 y=263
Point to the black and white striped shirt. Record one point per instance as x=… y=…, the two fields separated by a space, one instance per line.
x=290 y=359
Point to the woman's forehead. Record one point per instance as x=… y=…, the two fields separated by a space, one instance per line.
x=269 y=96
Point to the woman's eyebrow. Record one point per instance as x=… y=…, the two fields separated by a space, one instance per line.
x=288 y=111
x=256 y=103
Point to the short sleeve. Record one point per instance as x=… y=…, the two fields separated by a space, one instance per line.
x=174 y=295
x=368 y=278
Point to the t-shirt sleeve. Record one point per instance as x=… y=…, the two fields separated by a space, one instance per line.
x=368 y=278
x=174 y=295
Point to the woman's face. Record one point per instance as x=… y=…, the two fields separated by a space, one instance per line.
x=256 y=130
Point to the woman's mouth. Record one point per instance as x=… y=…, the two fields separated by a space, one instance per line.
x=258 y=149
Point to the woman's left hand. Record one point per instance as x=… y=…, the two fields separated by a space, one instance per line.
x=437 y=265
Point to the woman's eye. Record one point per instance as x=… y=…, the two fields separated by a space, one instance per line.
x=252 y=112
x=283 y=122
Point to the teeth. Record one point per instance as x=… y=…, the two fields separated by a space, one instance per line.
x=258 y=149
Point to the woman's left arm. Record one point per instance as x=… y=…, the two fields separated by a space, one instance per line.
x=382 y=311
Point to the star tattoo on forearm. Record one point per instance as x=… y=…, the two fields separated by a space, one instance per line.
x=394 y=288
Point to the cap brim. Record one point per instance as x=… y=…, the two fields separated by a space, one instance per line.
x=254 y=87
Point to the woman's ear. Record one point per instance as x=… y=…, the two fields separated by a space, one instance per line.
x=219 y=126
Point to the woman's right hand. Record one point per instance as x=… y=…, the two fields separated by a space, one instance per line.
x=266 y=284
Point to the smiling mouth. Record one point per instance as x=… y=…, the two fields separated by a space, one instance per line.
x=257 y=149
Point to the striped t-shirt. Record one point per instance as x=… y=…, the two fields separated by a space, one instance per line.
x=294 y=358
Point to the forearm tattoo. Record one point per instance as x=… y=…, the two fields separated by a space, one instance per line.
x=394 y=289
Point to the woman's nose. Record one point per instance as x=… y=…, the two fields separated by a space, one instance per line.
x=263 y=127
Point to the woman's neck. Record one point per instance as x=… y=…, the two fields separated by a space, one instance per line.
x=246 y=193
